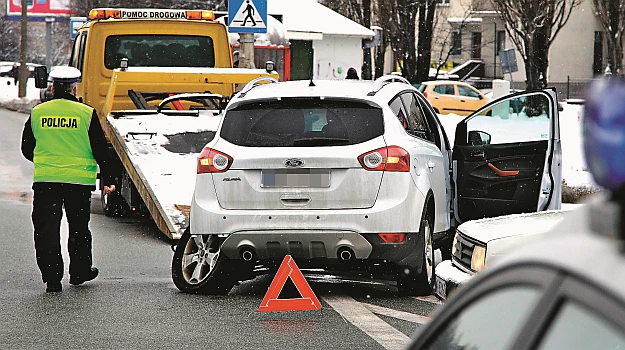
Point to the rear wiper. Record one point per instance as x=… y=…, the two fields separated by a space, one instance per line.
x=320 y=141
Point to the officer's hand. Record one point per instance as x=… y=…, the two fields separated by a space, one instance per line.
x=108 y=189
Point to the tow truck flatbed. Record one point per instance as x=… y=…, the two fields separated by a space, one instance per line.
x=159 y=153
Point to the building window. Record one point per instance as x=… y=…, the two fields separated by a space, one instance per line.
x=501 y=41
x=443 y=2
x=476 y=45
x=456 y=43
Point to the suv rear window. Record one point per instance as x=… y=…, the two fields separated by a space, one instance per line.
x=302 y=123
x=149 y=50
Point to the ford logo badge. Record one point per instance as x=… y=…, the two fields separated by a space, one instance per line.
x=293 y=163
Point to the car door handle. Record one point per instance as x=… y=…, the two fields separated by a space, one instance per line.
x=503 y=173
x=477 y=154
x=461 y=100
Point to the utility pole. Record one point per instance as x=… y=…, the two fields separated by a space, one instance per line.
x=23 y=49
x=246 y=56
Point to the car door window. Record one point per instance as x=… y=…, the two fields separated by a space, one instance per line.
x=521 y=119
x=397 y=107
x=416 y=120
x=467 y=92
x=490 y=322
x=73 y=61
x=444 y=89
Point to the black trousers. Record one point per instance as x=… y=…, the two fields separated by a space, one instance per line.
x=48 y=202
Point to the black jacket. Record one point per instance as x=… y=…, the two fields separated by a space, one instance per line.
x=99 y=146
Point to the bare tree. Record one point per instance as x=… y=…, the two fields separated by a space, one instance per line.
x=611 y=15
x=533 y=26
x=23 y=75
x=9 y=45
x=383 y=12
x=398 y=20
x=426 y=16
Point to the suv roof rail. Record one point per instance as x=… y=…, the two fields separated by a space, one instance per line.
x=386 y=79
x=254 y=83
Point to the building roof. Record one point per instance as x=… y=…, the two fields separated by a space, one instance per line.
x=309 y=20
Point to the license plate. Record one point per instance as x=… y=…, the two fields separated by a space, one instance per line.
x=311 y=178
x=440 y=288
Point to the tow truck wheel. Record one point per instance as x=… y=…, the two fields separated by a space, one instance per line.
x=409 y=282
x=198 y=266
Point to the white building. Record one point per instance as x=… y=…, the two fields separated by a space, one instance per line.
x=322 y=41
x=577 y=54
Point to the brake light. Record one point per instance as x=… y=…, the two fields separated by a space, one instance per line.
x=391 y=158
x=213 y=161
x=392 y=237
x=425 y=94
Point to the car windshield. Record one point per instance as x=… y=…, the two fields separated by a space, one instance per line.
x=302 y=122
x=149 y=50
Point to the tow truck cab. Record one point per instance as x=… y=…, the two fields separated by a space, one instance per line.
x=188 y=41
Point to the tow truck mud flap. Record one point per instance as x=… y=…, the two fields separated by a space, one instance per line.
x=159 y=152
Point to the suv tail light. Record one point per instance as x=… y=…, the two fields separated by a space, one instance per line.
x=425 y=94
x=391 y=158
x=213 y=161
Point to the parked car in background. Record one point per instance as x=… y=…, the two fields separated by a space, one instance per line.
x=355 y=175
x=564 y=292
x=456 y=97
x=479 y=243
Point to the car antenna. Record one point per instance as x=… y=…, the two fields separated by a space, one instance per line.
x=311 y=84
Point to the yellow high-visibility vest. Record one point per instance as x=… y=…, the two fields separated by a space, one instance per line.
x=63 y=151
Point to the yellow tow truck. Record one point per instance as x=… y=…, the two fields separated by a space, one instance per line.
x=159 y=79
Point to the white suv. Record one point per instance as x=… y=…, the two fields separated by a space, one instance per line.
x=350 y=175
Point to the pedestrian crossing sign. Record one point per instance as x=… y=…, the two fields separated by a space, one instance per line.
x=247 y=16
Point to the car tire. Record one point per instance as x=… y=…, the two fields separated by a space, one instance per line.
x=411 y=282
x=199 y=268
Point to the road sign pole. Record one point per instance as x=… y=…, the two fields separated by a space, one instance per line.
x=246 y=57
x=49 y=21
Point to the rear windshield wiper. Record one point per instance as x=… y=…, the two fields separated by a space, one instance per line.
x=320 y=141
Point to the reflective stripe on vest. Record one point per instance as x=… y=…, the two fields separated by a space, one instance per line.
x=63 y=150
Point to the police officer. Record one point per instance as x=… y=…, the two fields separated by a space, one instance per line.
x=64 y=140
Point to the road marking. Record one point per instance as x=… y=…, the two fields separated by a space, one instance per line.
x=358 y=315
x=430 y=299
x=401 y=315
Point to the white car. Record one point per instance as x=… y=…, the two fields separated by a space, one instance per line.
x=349 y=175
x=479 y=243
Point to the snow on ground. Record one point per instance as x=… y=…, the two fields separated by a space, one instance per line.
x=8 y=91
x=573 y=163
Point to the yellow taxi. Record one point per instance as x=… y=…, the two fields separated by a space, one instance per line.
x=455 y=97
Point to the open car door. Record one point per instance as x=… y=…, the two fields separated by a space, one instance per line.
x=507 y=157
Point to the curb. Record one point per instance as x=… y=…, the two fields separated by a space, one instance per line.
x=19 y=106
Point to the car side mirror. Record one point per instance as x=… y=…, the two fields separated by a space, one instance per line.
x=560 y=107
x=41 y=77
x=479 y=138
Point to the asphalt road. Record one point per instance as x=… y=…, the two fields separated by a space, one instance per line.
x=134 y=304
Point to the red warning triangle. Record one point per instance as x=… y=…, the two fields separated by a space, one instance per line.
x=287 y=269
